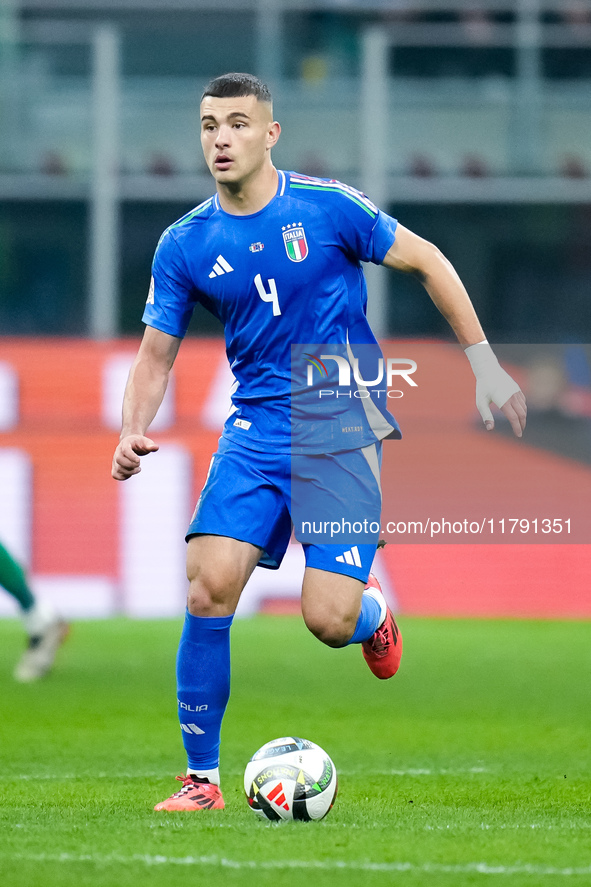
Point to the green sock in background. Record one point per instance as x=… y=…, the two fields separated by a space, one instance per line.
x=13 y=579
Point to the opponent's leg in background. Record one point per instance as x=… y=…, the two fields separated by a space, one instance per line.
x=218 y=569
x=13 y=579
x=339 y=610
x=44 y=629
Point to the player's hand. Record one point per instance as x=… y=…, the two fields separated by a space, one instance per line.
x=126 y=461
x=495 y=385
x=515 y=410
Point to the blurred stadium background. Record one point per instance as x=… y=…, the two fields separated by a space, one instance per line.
x=469 y=121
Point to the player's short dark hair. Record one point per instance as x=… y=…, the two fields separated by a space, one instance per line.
x=231 y=86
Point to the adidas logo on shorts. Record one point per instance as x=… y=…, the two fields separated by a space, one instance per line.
x=350 y=557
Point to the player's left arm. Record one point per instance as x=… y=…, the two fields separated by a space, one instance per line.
x=412 y=254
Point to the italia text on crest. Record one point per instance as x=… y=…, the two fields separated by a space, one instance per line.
x=296 y=245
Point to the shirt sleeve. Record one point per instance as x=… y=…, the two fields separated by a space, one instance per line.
x=172 y=296
x=364 y=230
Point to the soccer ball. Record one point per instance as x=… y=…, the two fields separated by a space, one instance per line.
x=290 y=778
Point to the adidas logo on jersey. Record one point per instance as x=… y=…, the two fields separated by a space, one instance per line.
x=220 y=267
x=350 y=557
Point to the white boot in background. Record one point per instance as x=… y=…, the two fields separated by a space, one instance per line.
x=47 y=632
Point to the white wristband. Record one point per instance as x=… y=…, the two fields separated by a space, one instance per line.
x=481 y=357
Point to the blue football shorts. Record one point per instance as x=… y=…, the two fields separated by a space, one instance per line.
x=331 y=501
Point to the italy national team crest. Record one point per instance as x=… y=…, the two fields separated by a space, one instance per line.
x=296 y=245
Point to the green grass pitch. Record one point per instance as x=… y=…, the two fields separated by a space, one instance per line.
x=471 y=766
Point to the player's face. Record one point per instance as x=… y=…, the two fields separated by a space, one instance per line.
x=237 y=135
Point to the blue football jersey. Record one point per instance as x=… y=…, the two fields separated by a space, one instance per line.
x=285 y=282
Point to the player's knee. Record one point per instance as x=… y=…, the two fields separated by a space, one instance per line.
x=333 y=629
x=211 y=594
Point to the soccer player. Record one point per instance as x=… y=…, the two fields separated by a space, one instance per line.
x=277 y=257
x=46 y=631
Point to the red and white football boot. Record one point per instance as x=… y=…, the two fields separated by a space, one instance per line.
x=193 y=795
x=383 y=650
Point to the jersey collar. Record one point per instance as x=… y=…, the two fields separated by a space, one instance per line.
x=282 y=181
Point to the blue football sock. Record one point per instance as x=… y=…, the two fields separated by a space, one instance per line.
x=203 y=685
x=369 y=620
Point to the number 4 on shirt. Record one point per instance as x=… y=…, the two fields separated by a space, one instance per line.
x=270 y=296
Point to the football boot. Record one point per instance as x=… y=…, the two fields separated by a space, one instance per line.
x=383 y=650
x=194 y=795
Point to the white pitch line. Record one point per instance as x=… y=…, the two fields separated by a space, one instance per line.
x=416 y=771
x=486 y=826
x=380 y=826
x=34 y=777
x=481 y=868
x=420 y=771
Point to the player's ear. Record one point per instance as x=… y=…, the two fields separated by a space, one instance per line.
x=273 y=134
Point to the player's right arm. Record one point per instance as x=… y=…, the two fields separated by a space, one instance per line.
x=144 y=391
x=412 y=254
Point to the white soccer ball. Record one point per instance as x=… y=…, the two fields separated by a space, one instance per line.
x=290 y=778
